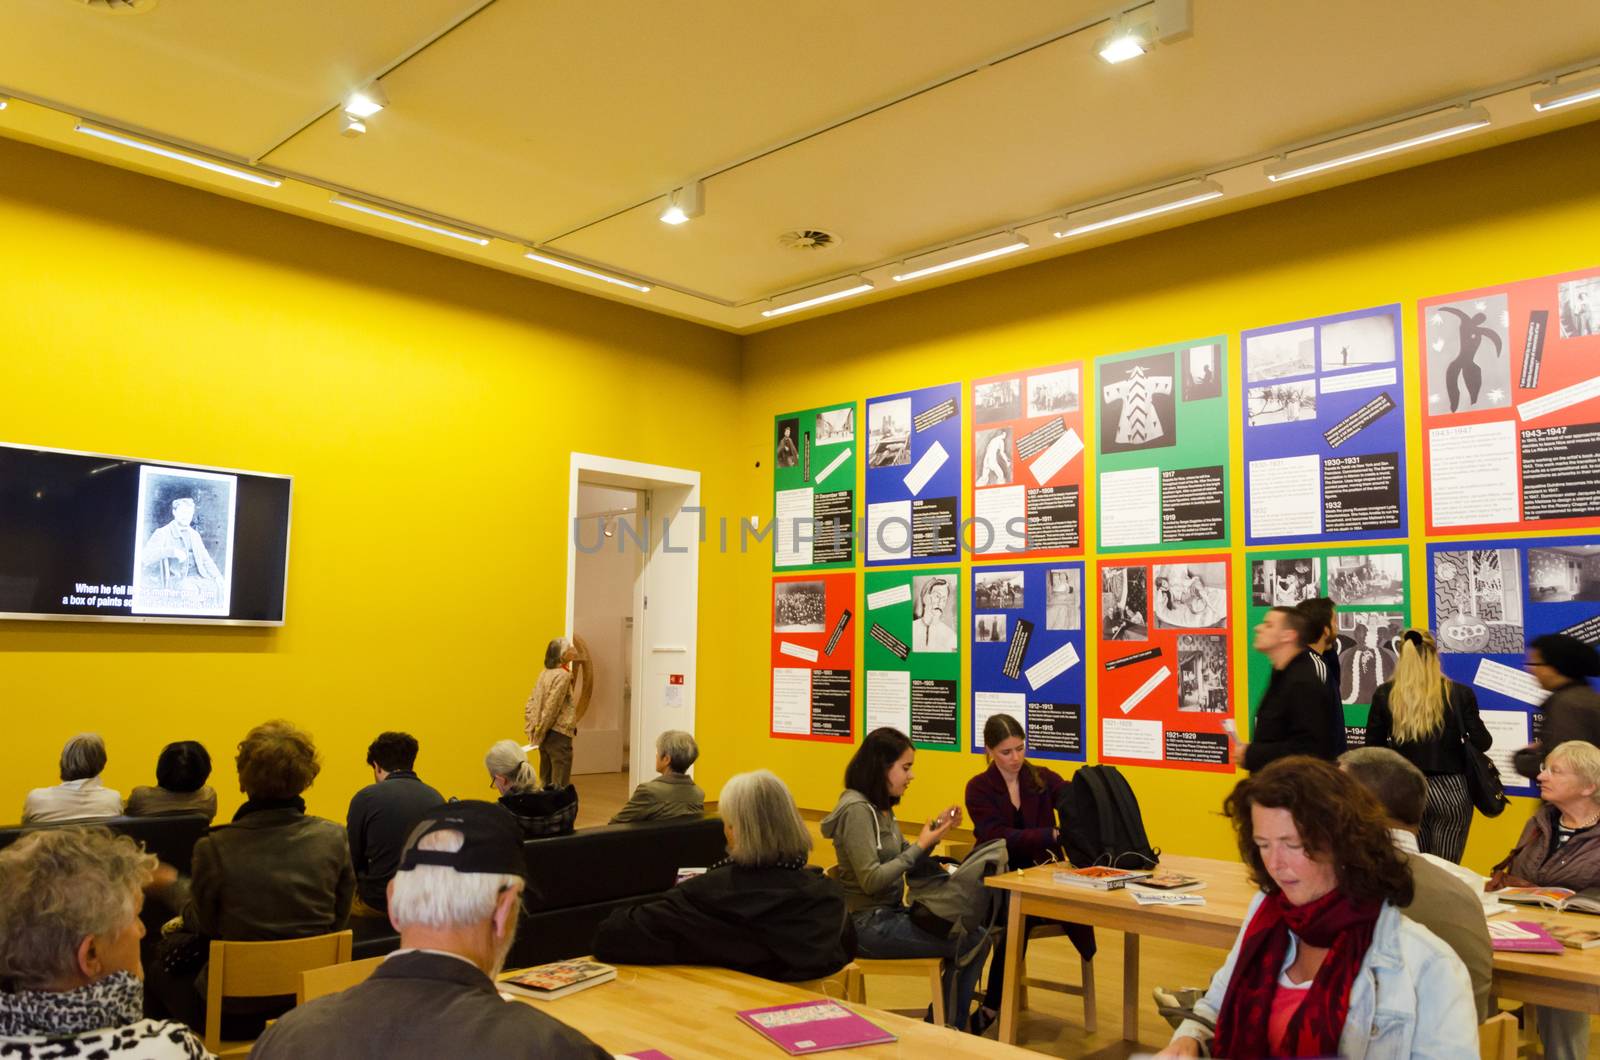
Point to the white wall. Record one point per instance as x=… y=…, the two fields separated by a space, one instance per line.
x=602 y=599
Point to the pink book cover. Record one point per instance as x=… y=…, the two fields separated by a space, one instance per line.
x=815 y=1027
x=1523 y=936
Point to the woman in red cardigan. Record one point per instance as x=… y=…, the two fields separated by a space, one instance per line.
x=1015 y=800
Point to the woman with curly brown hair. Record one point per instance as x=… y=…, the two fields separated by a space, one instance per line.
x=1325 y=964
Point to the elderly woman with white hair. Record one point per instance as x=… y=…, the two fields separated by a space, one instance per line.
x=673 y=793
x=71 y=980
x=560 y=697
x=80 y=795
x=762 y=910
x=539 y=810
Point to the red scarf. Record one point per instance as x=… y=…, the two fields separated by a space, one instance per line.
x=1333 y=922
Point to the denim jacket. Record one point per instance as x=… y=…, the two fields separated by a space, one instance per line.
x=1411 y=998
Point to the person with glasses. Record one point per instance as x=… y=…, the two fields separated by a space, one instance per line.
x=1562 y=665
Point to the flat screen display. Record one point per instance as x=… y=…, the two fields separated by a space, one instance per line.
x=88 y=536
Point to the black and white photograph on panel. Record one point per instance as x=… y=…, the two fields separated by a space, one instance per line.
x=993 y=589
x=1124 y=602
x=1283 y=582
x=1580 y=307
x=997 y=402
x=1203 y=673
x=788 y=443
x=1469 y=357
x=1189 y=595
x=1281 y=354
x=1368 y=644
x=1478 y=595
x=1563 y=574
x=799 y=607
x=183 y=542
x=1052 y=392
x=889 y=432
x=1354 y=581
x=1283 y=402
x=836 y=425
x=1137 y=409
x=991 y=457
x=1063 y=600
x=933 y=613
x=1202 y=373
x=1357 y=342
x=991 y=629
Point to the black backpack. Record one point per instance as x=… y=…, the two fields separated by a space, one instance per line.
x=1100 y=821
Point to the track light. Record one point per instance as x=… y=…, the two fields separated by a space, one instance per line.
x=350 y=125
x=955 y=257
x=365 y=102
x=1138 y=207
x=1123 y=44
x=1385 y=142
x=581 y=271
x=412 y=222
x=1567 y=93
x=684 y=203
x=606 y=527
x=821 y=294
x=179 y=156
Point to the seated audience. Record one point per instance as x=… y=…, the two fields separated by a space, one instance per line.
x=71 y=981
x=1015 y=800
x=181 y=774
x=672 y=794
x=1562 y=665
x=1325 y=964
x=1442 y=902
x=80 y=795
x=455 y=900
x=539 y=810
x=761 y=911
x=874 y=859
x=274 y=872
x=1560 y=847
x=383 y=813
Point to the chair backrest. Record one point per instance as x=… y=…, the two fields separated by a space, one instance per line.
x=264 y=969
x=1497 y=1037
x=320 y=982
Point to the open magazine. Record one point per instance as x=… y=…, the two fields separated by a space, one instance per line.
x=1558 y=898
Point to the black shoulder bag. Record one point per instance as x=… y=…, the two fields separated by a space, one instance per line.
x=1483 y=779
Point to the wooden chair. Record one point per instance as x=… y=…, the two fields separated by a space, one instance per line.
x=1085 y=988
x=263 y=969
x=836 y=986
x=320 y=982
x=905 y=966
x=1497 y=1037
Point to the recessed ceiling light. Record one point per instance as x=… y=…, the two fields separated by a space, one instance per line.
x=1567 y=93
x=684 y=203
x=1400 y=137
x=179 y=156
x=413 y=222
x=1138 y=207
x=365 y=102
x=581 y=271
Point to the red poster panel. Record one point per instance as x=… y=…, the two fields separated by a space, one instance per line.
x=1511 y=406
x=1166 y=662
x=1026 y=487
x=814 y=657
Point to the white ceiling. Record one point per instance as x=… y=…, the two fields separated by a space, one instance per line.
x=563 y=123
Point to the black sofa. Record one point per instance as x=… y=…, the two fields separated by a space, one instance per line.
x=170 y=838
x=576 y=880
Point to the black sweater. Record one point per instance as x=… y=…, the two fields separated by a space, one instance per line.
x=1298 y=715
x=1441 y=753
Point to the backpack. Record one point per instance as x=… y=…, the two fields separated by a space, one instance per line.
x=957 y=904
x=1100 y=821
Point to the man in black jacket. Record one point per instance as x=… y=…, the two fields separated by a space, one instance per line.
x=382 y=815
x=1298 y=714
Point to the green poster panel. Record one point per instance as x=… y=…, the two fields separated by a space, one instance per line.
x=912 y=656
x=1371 y=591
x=1161 y=447
x=814 y=488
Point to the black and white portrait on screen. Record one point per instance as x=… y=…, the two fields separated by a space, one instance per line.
x=183 y=543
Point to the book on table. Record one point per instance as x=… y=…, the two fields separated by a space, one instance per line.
x=1169 y=882
x=813 y=1027
x=1574 y=938
x=1561 y=899
x=550 y=981
x=1522 y=936
x=1100 y=877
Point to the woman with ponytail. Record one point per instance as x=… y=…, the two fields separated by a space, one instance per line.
x=1422 y=714
x=539 y=810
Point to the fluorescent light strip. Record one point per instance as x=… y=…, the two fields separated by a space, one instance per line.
x=1139 y=215
x=1467 y=124
x=1554 y=97
x=819 y=300
x=581 y=271
x=179 y=156
x=956 y=264
x=412 y=221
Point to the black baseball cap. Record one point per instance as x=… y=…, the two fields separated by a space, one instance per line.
x=493 y=839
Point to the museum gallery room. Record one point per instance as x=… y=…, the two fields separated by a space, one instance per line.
x=748 y=529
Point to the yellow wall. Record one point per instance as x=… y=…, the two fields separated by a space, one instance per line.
x=426 y=408
x=1519 y=211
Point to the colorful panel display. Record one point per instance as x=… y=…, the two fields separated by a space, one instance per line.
x=1166 y=662
x=914 y=476
x=814 y=488
x=1162 y=448
x=1324 y=429
x=1511 y=405
x=1028 y=655
x=912 y=650
x=813 y=656
x=1027 y=464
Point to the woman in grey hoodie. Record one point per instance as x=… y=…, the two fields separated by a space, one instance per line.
x=874 y=859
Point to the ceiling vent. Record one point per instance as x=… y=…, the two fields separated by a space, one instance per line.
x=120 y=7
x=808 y=239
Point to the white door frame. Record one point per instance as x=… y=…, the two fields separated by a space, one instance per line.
x=666 y=492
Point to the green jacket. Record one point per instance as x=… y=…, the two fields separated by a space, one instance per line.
x=668 y=796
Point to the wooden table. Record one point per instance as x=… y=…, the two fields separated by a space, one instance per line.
x=689 y=1011
x=1569 y=980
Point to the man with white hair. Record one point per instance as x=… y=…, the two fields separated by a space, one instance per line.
x=455 y=900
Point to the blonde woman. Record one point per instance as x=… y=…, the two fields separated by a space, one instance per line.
x=1422 y=714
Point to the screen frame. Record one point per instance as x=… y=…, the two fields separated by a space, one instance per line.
x=168 y=620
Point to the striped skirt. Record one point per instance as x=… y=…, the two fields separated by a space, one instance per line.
x=1446 y=817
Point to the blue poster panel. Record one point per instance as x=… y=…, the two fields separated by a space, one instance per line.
x=1027 y=655
x=1324 y=429
x=914 y=476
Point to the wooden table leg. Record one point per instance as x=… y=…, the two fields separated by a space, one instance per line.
x=1130 y=987
x=1014 y=970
